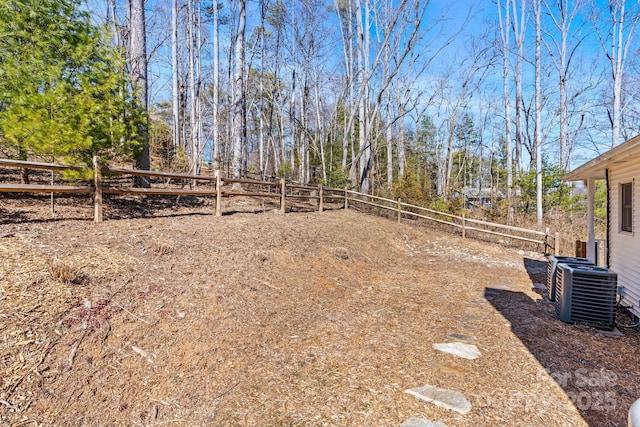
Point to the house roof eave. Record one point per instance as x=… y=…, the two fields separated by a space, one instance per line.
x=596 y=168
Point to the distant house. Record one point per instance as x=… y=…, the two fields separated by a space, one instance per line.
x=620 y=167
x=476 y=198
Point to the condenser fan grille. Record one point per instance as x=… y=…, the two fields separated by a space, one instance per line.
x=552 y=271
x=586 y=295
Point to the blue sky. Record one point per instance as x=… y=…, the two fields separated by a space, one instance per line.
x=469 y=19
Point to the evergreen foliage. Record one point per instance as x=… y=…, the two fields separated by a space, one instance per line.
x=555 y=192
x=63 y=93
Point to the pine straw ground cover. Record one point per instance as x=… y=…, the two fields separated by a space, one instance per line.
x=297 y=319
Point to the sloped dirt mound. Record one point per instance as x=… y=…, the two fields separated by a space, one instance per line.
x=264 y=319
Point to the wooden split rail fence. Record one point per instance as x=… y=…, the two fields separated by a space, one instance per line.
x=317 y=195
x=210 y=186
x=549 y=242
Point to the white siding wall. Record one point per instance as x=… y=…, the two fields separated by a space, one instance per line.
x=625 y=247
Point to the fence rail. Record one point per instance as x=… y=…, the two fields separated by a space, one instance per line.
x=30 y=188
x=37 y=165
x=136 y=172
x=549 y=242
x=316 y=195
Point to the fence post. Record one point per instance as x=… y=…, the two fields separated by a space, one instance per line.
x=320 y=206
x=53 y=206
x=556 y=244
x=218 y=193
x=346 y=198
x=546 y=241
x=97 y=195
x=399 y=210
x=464 y=231
x=283 y=191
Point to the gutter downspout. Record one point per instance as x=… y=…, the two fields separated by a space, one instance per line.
x=607 y=256
x=591 y=234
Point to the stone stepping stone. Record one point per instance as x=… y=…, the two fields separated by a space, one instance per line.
x=421 y=422
x=460 y=349
x=468 y=318
x=446 y=368
x=615 y=333
x=498 y=288
x=469 y=339
x=505 y=286
x=448 y=399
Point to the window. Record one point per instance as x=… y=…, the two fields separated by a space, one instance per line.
x=626 y=207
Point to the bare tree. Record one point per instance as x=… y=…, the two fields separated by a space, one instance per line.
x=519 y=28
x=364 y=67
x=504 y=20
x=616 y=40
x=389 y=129
x=138 y=70
x=345 y=15
x=175 y=88
x=537 y=11
x=239 y=99
x=264 y=4
x=368 y=92
x=313 y=119
x=194 y=42
x=563 y=14
x=216 y=86
x=471 y=77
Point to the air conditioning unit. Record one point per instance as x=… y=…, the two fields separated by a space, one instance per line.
x=586 y=294
x=552 y=269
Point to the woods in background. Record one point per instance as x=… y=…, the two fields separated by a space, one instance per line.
x=398 y=97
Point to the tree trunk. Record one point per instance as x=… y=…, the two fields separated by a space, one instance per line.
x=564 y=106
x=194 y=146
x=389 y=137
x=347 y=44
x=505 y=24
x=400 y=143
x=175 y=76
x=138 y=67
x=388 y=121
x=261 y=144
x=537 y=6
x=364 y=166
x=320 y=135
x=198 y=98
x=216 y=85
x=24 y=172
x=617 y=68
x=519 y=29
x=449 y=159
x=239 y=93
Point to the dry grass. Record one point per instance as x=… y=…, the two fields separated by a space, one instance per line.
x=161 y=247
x=63 y=271
x=297 y=319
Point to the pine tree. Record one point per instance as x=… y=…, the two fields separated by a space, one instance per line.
x=62 y=89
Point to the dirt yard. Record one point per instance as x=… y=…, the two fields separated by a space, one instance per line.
x=264 y=319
